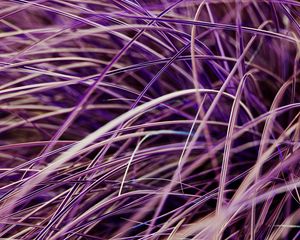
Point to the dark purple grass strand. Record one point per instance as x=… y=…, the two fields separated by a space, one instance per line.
x=215 y=26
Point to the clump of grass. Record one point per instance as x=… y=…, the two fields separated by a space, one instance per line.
x=149 y=119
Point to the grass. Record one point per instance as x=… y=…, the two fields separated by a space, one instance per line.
x=155 y=119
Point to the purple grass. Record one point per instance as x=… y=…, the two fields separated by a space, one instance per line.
x=157 y=119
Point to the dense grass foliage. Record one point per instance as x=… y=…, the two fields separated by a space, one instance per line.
x=150 y=119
